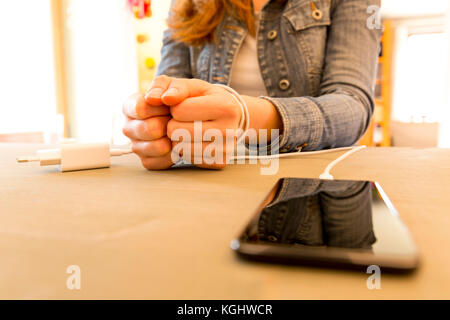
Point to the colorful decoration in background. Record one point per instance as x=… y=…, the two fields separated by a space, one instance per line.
x=141 y=8
x=142 y=38
x=150 y=63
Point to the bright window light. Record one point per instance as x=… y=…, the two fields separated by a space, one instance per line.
x=102 y=68
x=27 y=94
x=425 y=77
x=421 y=80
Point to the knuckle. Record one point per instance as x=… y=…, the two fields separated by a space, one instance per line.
x=126 y=130
x=146 y=163
x=155 y=163
x=162 y=126
x=135 y=148
x=138 y=111
x=162 y=77
x=160 y=80
x=176 y=112
x=170 y=128
x=130 y=105
x=154 y=127
x=149 y=128
x=140 y=108
x=204 y=86
x=164 y=146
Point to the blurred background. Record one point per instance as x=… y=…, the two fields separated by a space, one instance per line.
x=66 y=66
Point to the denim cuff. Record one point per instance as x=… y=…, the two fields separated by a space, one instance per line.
x=302 y=123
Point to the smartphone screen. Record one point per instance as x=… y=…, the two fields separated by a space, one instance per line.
x=334 y=223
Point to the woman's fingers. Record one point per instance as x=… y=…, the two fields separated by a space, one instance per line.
x=155 y=148
x=156 y=154
x=208 y=107
x=189 y=110
x=148 y=129
x=181 y=89
x=159 y=155
x=158 y=163
x=157 y=88
x=136 y=107
x=204 y=154
x=223 y=127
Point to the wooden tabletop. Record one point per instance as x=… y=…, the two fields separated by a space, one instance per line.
x=137 y=234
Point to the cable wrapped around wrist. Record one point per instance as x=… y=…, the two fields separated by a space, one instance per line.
x=244 y=123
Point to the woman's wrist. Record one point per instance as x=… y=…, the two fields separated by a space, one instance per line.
x=263 y=115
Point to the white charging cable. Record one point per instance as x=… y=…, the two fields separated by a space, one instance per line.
x=244 y=127
x=326 y=175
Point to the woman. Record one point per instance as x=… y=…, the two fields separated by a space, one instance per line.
x=304 y=67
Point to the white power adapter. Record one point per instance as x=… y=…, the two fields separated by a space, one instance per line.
x=76 y=156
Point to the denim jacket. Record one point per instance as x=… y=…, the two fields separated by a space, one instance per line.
x=320 y=212
x=318 y=68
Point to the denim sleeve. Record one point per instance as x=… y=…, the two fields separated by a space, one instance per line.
x=175 y=58
x=341 y=113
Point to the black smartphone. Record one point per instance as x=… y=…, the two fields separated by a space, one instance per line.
x=334 y=223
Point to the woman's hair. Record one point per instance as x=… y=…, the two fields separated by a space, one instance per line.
x=194 y=22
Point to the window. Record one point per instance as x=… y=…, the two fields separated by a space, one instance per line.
x=27 y=70
x=421 y=77
x=422 y=83
x=101 y=67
